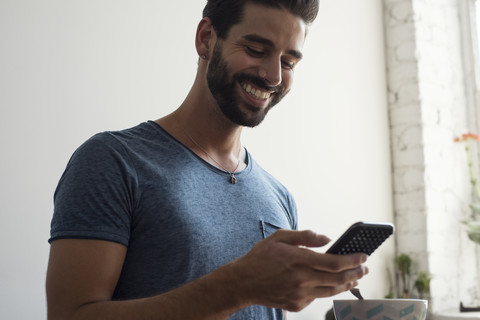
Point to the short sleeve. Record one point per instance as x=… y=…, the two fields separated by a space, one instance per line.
x=293 y=216
x=95 y=196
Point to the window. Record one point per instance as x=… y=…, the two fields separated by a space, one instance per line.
x=470 y=16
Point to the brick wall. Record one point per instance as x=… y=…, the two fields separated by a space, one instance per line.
x=428 y=105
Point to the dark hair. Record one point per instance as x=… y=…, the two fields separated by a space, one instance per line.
x=226 y=13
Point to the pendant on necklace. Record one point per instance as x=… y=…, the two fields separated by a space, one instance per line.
x=233 y=180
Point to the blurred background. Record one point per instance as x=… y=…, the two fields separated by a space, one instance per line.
x=70 y=69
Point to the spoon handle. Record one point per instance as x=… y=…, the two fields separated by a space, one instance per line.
x=356 y=293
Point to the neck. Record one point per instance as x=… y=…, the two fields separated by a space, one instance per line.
x=211 y=130
x=200 y=117
x=200 y=125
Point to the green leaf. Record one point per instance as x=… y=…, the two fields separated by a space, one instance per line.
x=474 y=235
x=422 y=284
x=472 y=225
x=475 y=207
x=403 y=263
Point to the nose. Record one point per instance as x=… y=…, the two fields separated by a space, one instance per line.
x=271 y=72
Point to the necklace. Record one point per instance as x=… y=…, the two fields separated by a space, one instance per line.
x=233 y=179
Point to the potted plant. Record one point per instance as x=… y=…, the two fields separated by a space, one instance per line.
x=406 y=280
x=409 y=283
x=472 y=224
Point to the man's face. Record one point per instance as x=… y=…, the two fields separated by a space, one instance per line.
x=252 y=69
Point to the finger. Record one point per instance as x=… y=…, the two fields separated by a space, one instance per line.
x=336 y=263
x=305 y=238
x=323 y=292
x=315 y=278
x=327 y=262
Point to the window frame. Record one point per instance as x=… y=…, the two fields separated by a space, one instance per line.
x=470 y=25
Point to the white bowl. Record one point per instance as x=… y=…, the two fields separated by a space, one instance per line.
x=380 y=309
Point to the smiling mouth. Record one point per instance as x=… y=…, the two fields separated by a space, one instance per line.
x=255 y=92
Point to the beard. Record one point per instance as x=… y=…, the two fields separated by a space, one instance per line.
x=223 y=89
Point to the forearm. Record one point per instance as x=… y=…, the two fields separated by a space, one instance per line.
x=214 y=296
x=276 y=273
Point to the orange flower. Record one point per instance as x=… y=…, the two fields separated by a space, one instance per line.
x=474 y=136
x=466 y=136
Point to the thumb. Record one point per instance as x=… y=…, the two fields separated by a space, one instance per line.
x=305 y=238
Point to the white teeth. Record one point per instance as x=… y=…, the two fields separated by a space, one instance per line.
x=257 y=93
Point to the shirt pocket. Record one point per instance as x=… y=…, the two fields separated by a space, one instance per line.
x=268 y=228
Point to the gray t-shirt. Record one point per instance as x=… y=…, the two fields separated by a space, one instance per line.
x=179 y=216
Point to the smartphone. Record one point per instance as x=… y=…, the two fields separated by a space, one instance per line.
x=363 y=237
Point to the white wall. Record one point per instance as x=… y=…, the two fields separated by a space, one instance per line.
x=70 y=69
x=431 y=85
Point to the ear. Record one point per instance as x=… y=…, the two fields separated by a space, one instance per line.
x=205 y=38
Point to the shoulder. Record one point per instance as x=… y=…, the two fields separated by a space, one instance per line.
x=116 y=143
x=105 y=155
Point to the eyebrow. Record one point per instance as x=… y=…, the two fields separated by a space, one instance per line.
x=261 y=40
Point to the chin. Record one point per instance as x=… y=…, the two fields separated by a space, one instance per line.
x=252 y=117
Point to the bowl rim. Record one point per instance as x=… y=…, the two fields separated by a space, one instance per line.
x=384 y=300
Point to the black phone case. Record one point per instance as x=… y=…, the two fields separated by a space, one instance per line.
x=362 y=237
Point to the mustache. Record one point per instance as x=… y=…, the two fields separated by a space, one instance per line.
x=259 y=82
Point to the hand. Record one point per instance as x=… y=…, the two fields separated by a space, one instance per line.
x=280 y=272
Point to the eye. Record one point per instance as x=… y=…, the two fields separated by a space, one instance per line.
x=288 y=65
x=254 y=52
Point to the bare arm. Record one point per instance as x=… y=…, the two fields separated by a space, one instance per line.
x=82 y=275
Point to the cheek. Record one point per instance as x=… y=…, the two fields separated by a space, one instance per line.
x=287 y=78
x=247 y=64
x=240 y=61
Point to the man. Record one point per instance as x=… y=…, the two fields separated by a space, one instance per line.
x=173 y=219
